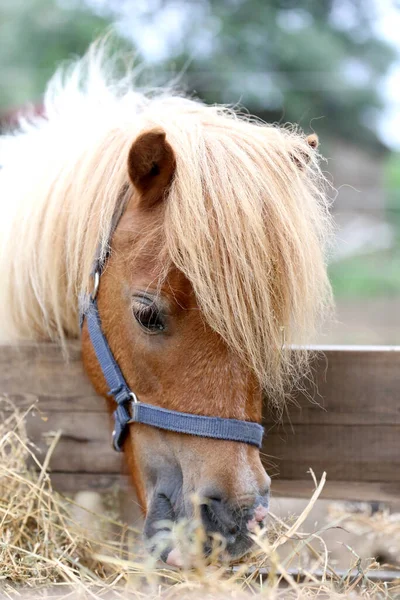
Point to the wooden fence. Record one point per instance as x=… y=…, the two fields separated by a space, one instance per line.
x=351 y=431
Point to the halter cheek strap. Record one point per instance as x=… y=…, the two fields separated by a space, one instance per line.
x=130 y=410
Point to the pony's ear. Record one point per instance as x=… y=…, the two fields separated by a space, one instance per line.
x=312 y=140
x=303 y=157
x=151 y=166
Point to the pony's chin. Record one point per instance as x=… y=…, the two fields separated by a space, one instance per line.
x=232 y=553
x=242 y=548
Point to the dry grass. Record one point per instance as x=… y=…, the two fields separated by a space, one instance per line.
x=46 y=552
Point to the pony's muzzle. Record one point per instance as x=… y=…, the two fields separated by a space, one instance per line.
x=228 y=523
x=235 y=519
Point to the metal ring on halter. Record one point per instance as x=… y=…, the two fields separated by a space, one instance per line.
x=134 y=398
x=96 y=283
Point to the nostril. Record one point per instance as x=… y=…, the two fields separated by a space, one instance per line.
x=213 y=493
x=217 y=516
x=215 y=499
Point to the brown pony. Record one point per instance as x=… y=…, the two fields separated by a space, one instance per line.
x=215 y=270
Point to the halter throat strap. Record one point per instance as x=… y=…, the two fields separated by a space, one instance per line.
x=130 y=410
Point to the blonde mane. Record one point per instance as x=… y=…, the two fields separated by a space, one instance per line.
x=246 y=219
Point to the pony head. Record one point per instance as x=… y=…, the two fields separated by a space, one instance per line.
x=215 y=271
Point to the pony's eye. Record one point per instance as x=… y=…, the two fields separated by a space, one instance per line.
x=149 y=317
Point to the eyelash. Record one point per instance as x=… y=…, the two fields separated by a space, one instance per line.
x=149 y=318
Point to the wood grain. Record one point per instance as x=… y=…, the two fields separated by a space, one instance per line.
x=351 y=428
x=302 y=488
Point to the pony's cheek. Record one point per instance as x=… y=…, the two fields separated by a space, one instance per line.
x=155 y=463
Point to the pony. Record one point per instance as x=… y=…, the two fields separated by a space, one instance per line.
x=213 y=228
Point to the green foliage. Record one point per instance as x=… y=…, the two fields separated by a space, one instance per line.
x=35 y=35
x=375 y=274
x=282 y=59
x=314 y=62
x=392 y=172
x=296 y=61
x=392 y=183
x=367 y=275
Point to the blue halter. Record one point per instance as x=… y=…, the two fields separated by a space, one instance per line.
x=130 y=410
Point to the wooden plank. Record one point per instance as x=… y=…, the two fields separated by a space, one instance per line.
x=346 y=453
x=358 y=386
x=339 y=490
x=361 y=385
x=71 y=483
x=355 y=436
x=29 y=371
x=85 y=443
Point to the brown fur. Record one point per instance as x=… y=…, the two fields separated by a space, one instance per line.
x=225 y=222
x=189 y=368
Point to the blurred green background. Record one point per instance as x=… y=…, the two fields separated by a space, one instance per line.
x=331 y=65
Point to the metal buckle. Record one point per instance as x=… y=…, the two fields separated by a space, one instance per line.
x=122 y=420
x=96 y=283
x=134 y=408
x=134 y=398
x=135 y=401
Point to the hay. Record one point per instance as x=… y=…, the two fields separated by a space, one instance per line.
x=376 y=524
x=46 y=552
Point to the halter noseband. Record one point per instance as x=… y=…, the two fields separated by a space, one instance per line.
x=131 y=410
